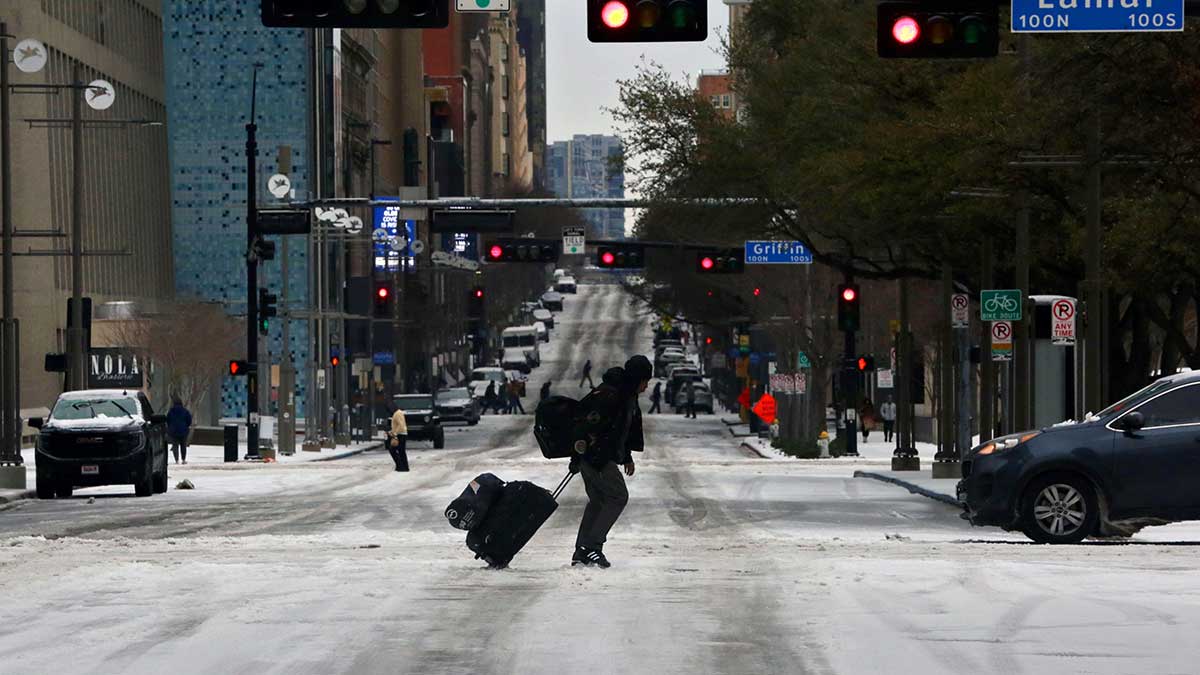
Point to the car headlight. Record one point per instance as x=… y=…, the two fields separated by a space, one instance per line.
x=1000 y=445
x=428 y=419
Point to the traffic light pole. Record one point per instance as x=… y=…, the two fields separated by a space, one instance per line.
x=12 y=471
x=850 y=379
x=252 y=276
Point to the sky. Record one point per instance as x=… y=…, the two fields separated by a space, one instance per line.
x=582 y=76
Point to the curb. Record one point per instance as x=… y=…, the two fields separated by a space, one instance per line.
x=755 y=450
x=15 y=496
x=348 y=453
x=911 y=487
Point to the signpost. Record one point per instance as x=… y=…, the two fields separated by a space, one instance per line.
x=1096 y=16
x=777 y=253
x=481 y=5
x=574 y=239
x=783 y=384
x=1000 y=305
x=960 y=310
x=1002 y=341
x=884 y=379
x=802 y=361
x=1062 y=316
x=801 y=383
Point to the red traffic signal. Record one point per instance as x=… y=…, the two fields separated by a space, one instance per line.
x=623 y=256
x=334 y=361
x=757 y=292
x=647 y=20
x=849 y=293
x=496 y=253
x=477 y=293
x=614 y=14
x=607 y=258
x=728 y=261
x=382 y=292
x=937 y=29
x=848 y=308
x=708 y=340
x=865 y=363
x=906 y=30
x=238 y=368
x=707 y=263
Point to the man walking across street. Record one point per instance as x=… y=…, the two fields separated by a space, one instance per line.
x=612 y=432
x=397 y=443
x=656 y=399
x=545 y=392
x=514 y=398
x=587 y=375
x=887 y=411
x=689 y=398
x=179 y=424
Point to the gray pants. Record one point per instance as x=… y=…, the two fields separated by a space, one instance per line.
x=607 y=497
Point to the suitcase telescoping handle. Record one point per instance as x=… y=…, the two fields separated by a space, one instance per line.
x=558 y=490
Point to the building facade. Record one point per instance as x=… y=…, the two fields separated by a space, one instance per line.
x=590 y=166
x=125 y=190
x=716 y=87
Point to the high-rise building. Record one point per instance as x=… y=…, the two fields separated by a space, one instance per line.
x=125 y=214
x=590 y=166
x=531 y=34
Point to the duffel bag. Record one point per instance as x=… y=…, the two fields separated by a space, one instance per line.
x=471 y=507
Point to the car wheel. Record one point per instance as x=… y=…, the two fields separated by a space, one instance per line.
x=63 y=491
x=439 y=440
x=45 y=489
x=473 y=422
x=145 y=486
x=161 y=480
x=1059 y=509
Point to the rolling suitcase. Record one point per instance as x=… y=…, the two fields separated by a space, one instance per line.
x=513 y=520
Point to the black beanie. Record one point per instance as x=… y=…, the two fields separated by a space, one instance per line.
x=638 y=368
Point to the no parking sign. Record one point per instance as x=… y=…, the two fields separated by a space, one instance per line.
x=1062 y=317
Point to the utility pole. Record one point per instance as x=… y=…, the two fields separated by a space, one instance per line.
x=850 y=380
x=904 y=457
x=987 y=368
x=1022 y=370
x=945 y=462
x=251 y=274
x=1094 y=373
x=77 y=361
x=12 y=470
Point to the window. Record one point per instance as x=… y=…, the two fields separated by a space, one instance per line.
x=726 y=101
x=504 y=122
x=715 y=100
x=1180 y=406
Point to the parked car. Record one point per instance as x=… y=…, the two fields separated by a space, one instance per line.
x=1130 y=465
x=545 y=316
x=565 y=285
x=703 y=398
x=515 y=358
x=679 y=375
x=524 y=338
x=484 y=375
x=529 y=307
x=665 y=360
x=667 y=344
x=421 y=416
x=457 y=405
x=553 y=301
x=100 y=437
x=559 y=273
x=543 y=334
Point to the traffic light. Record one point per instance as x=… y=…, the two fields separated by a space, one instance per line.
x=239 y=368
x=621 y=256
x=848 y=314
x=937 y=29
x=475 y=302
x=356 y=13
x=757 y=292
x=382 y=299
x=521 y=250
x=647 y=20
x=865 y=364
x=725 y=261
x=266 y=310
x=334 y=360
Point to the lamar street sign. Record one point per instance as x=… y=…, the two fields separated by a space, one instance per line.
x=1096 y=16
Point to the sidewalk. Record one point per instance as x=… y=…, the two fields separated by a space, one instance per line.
x=210 y=457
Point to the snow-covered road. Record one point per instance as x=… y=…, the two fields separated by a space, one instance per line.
x=722 y=563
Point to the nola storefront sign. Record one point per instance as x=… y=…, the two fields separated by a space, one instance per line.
x=114 y=368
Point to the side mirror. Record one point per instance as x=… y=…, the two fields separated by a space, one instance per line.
x=1133 y=421
x=36 y=422
x=158 y=419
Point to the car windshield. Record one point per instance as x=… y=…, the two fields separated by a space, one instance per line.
x=1134 y=398
x=493 y=375
x=90 y=408
x=452 y=394
x=414 y=402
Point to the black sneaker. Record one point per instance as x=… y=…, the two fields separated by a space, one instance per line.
x=588 y=557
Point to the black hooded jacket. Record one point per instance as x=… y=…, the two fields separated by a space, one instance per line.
x=614 y=420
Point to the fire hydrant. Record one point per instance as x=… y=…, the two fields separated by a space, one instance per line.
x=823 y=444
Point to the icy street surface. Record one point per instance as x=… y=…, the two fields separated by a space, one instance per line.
x=722 y=563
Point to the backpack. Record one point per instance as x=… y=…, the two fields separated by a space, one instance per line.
x=565 y=427
x=471 y=507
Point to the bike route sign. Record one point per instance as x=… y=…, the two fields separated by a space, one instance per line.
x=1096 y=16
x=1000 y=305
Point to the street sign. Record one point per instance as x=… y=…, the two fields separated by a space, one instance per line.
x=801 y=383
x=1000 y=305
x=802 y=361
x=279 y=185
x=1096 y=16
x=744 y=343
x=884 y=379
x=766 y=408
x=1002 y=341
x=574 y=238
x=783 y=384
x=1062 y=316
x=960 y=310
x=777 y=253
x=481 y=5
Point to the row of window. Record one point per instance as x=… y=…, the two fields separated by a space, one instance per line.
x=721 y=100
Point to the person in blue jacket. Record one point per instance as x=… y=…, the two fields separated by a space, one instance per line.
x=179 y=423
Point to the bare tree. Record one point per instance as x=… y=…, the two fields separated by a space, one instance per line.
x=188 y=347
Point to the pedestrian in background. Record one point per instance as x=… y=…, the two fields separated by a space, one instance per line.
x=514 y=398
x=397 y=444
x=545 y=392
x=689 y=398
x=179 y=425
x=489 y=398
x=587 y=375
x=866 y=417
x=656 y=399
x=887 y=411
